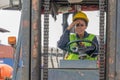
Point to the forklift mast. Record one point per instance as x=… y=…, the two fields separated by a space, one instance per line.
x=30 y=38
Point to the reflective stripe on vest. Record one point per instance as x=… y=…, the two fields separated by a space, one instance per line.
x=72 y=56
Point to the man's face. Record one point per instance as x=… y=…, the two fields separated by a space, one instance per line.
x=80 y=27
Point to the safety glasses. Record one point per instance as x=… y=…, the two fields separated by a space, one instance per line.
x=80 y=25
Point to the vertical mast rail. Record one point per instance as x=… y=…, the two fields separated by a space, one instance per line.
x=36 y=40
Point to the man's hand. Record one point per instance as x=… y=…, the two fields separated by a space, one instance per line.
x=82 y=44
x=72 y=25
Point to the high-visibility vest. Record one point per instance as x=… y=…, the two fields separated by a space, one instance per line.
x=73 y=56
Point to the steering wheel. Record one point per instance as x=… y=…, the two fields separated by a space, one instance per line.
x=81 y=50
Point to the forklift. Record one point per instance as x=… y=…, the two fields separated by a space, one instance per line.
x=35 y=62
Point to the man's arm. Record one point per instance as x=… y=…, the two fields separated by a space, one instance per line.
x=64 y=39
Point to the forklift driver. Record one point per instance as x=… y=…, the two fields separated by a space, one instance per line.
x=80 y=23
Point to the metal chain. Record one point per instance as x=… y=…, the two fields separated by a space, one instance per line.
x=102 y=44
x=46 y=39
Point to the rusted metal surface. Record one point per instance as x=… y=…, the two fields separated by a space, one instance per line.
x=87 y=5
x=111 y=40
x=63 y=2
x=118 y=41
x=26 y=39
x=36 y=40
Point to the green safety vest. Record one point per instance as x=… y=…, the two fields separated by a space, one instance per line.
x=72 y=56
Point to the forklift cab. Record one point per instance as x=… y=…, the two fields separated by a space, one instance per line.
x=67 y=69
x=81 y=69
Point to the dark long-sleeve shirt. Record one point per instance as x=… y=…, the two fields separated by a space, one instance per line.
x=64 y=39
